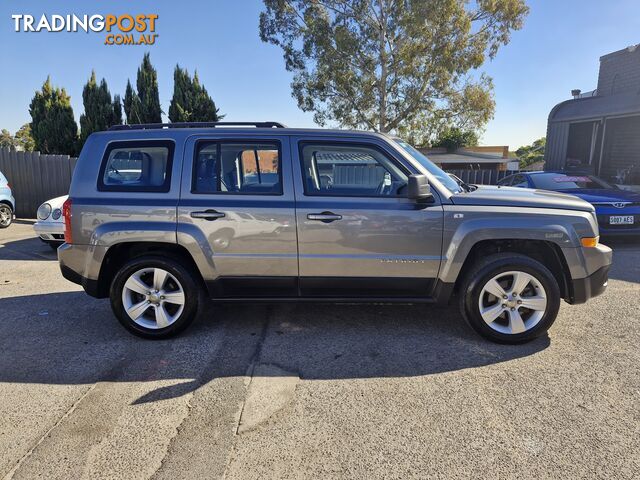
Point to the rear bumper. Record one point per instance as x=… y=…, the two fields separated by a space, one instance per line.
x=89 y=286
x=73 y=266
x=583 y=289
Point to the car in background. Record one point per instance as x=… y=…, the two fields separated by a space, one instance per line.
x=7 y=203
x=50 y=224
x=618 y=211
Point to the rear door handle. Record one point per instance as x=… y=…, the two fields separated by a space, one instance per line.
x=209 y=215
x=325 y=217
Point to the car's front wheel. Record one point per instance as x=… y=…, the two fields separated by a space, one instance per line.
x=154 y=297
x=510 y=298
x=6 y=215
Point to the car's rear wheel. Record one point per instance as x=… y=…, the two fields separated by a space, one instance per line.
x=6 y=215
x=154 y=297
x=510 y=298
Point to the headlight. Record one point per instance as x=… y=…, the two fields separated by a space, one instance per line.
x=57 y=213
x=44 y=211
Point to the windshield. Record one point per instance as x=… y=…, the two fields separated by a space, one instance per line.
x=560 y=181
x=431 y=167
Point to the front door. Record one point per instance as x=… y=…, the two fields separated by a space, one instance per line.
x=358 y=233
x=236 y=215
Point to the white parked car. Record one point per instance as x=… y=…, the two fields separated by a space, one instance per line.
x=50 y=224
x=7 y=203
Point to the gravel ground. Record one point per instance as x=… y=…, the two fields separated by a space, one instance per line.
x=300 y=391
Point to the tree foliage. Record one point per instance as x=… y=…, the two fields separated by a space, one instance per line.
x=23 y=138
x=143 y=105
x=99 y=113
x=191 y=102
x=6 y=139
x=531 y=153
x=392 y=65
x=117 y=110
x=53 y=126
x=453 y=138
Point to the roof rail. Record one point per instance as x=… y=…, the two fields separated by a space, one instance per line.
x=155 y=126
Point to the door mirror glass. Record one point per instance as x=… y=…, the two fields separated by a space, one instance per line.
x=418 y=188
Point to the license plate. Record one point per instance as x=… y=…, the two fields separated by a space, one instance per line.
x=621 y=220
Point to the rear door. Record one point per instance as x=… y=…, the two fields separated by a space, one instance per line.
x=236 y=214
x=358 y=233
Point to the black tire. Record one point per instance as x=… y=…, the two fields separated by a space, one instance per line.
x=193 y=296
x=488 y=268
x=7 y=210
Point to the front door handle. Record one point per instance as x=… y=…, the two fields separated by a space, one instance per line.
x=209 y=215
x=325 y=217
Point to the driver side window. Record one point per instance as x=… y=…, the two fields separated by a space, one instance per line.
x=350 y=171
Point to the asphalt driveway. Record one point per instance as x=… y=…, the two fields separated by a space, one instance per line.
x=310 y=391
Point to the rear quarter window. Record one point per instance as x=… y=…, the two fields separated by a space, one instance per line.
x=137 y=166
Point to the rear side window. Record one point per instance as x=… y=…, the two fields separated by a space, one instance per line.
x=237 y=168
x=350 y=170
x=137 y=166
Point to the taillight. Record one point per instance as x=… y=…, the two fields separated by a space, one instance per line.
x=66 y=213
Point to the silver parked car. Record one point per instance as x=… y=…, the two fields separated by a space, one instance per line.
x=159 y=216
x=7 y=203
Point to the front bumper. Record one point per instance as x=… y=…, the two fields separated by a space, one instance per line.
x=583 y=289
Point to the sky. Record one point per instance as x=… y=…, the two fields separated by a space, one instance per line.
x=557 y=50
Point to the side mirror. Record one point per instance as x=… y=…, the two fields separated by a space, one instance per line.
x=419 y=188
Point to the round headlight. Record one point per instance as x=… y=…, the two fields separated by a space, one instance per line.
x=44 y=211
x=57 y=213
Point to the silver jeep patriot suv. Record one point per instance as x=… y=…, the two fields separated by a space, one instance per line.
x=161 y=216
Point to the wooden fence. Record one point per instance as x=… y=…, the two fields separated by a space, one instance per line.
x=35 y=178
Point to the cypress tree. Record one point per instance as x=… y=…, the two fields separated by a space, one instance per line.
x=147 y=83
x=117 y=110
x=204 y=108
x=132 y=106
x=53 y=126
x=99 y=112
x=191 y=101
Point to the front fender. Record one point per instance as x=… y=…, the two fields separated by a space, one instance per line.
x=465 y=226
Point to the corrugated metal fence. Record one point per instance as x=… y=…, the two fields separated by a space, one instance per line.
x=35 y=178
x=481 y=177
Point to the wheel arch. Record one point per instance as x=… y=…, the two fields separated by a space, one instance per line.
x=120 y=253
x=546 y=252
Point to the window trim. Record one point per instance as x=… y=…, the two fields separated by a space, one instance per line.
x=198 y=145
x=372 y=146
x=170 y=145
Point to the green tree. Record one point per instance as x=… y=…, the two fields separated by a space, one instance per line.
x=53 y=126
x=117 y=110
x=24 y=139
x=529 y=154
x=191 y=102
x=99 y=112
x=6 y=139
x=147 y=84
x=391 y=65
x=453 y=138
x=143 y=105
x=132 y=107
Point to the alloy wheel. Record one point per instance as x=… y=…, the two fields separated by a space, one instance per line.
x=512 y=302
x=5 y=216
x=153 y=298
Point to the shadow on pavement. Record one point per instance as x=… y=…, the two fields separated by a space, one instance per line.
x=70 y=338
x=26 y=249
